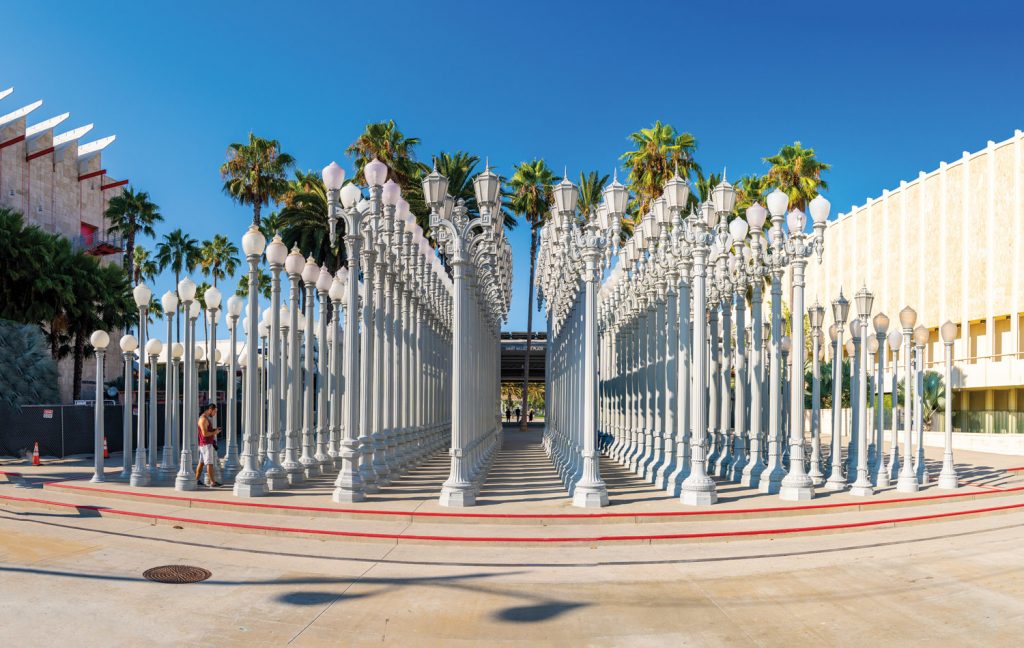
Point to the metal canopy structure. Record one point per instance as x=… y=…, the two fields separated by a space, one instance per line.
x=513 y=356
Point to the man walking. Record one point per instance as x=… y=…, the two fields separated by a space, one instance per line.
x=207 y=445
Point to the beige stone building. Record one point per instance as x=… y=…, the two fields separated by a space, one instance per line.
x=58 y=181
x=949 y=244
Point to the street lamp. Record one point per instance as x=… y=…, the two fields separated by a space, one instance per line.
x=142 y=294
x=250 y=482
x=289 y=378
x=231 y=463
x=168 y=461
x=920 y=340
x=948 y=476
x=323 y=286
x=213 y=299
x=816 y=317
x=185 y=480
x=881 y=323
x=310 y=466
x=153 y=349
x=99 y=341
x=836 y=479
x=862 y=485
x=128 y=346
x=907 y=481
x=895 y=341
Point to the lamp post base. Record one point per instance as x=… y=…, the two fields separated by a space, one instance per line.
x=250 y=490
x=347 y=496
x=836 y=485
x=771 y=484
x=862 y=489
x=948 y=480
x=907 y=484
x=184 y=482
x=698 y=498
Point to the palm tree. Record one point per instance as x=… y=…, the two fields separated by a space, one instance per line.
x=797 y=172
x=30 y=287
x=218 y=257
x=130 y=214
x=591 y=191
x=460 y=168
x=201 y=299
x=704 y=185
x=303 y=220
x=384 y=141
x=530 y=198
x=749 y=190
x=263 y=282
x=657 y=153
x=179 y=252
x=270 y=225
x=145 y=267
x=256 y=173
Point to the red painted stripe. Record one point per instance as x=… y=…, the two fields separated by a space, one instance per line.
x=41 y=153
x=565 y=539
x=13 y=141
x=529 y=516
x=119 y=183
x=92 y=175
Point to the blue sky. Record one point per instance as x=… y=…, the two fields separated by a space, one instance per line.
x=881 y=90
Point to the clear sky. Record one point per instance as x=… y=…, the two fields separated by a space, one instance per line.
x=881 y=90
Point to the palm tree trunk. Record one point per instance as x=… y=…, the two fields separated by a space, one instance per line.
x=529 y=328
x=76 y=376
x=256 y=209
x=129 y=251
x=180 y=310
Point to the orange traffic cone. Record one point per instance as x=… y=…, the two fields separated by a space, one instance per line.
x=35 y=455
x=106 y=453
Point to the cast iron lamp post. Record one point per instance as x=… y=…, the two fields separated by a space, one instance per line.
x=231 y=463
x=907 y=481
x=99 y=341
x=948 y=477
x=836 y=479
x=128 y=345
x=250 y=482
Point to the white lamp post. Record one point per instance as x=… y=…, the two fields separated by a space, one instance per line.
x=836 y=479
x=337 y=294
x=305 y=379
x=128 y=346
x=185 y=480
x=142 y=294
x=816 y=316
x=250 y=482
x=213 y=299
x=862 y=485
x=895 y=341
x=881 y=323
x=948 y=477
x=907 y=481
x=153 y=349
x=323 y=459
x=291 y=374
x=169 y=459
x=231 y=463
x=756 y=269
x=99 y=341
x=920 y=340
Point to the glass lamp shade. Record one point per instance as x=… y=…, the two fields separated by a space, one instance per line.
x=756 y=215
x=895 y=340
x=604 y=218
x=154 y=347
x=426 y=250
x=738 y=229
x=187 y=289
x=350 y=195
x=333 y=176
x=710 y=215
x=376 y=172
x=855 y=328
x=840 y=309
x=285 y=315
x=277 y=251
x=778 y=203
x=99 y=339
x=820 y=207
x=323 y=280
x=235 y=304
x=872 y=345
x=851 y=349
x=616 y=196
x=787 y=344
x=833 y=332
x=337 y=290
x=217 y=355
x=169 y=301
x=402 y=210
x=194 y=309
x=177 y=350
x=640 y=236
x=796 y=221
x=724 y=197
x=142 y=295
x=310 y=272
x=212 y=297
x=651 y=227
x=908 y=317
x=390 y=193
x=294 y=263
x=948 y=332
x=676 y=192
x=487 y=185
x=447 y=207
x=264 y=329
x=920 y=336
x=243 y=360
x=660 y=209
x=566 y=194
x=129 y=343
x=881 y=322
x=864 y=299
x=411 y=225
x=766 y=330
x=435 y=188
x=253 y=242
x=200 y=352
x=816 y=316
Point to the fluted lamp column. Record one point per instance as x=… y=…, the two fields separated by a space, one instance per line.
x=250 y=482
x=948 y=478
x=99 y=341
x=128 y=346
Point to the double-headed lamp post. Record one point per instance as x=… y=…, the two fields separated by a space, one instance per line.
x=99 y=341
x=250 y=482
x=797 y=484
x=948 y=476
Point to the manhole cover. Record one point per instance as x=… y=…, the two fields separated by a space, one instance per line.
x=177 y=574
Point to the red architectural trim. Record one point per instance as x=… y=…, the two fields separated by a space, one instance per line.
x=119 y=183
x=11 y=142
x=91 y=175
x=33 y=156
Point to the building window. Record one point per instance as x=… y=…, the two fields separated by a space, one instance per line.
x=88 y=234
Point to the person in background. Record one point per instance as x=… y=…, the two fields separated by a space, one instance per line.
x=508 y=414
x=519 y=415
x=207 y=445
x=530 y=416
